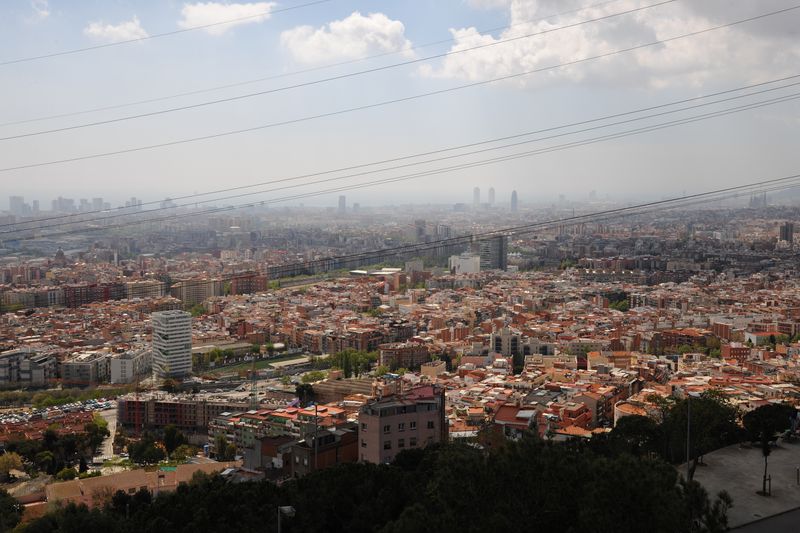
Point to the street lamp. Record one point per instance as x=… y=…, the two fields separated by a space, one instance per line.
x=287 y=510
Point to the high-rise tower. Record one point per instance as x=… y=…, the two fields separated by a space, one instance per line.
x=491 y=196
x=172 y=343
x=514 y=201
x=476 y=197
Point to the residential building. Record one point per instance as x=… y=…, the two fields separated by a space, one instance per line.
x=26 y=367
x=172 y=343
x=133 y=364
x=403 y=354
x=88 y=368
x=389 y=425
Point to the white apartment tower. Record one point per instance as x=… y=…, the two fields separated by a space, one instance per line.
x=172 y=343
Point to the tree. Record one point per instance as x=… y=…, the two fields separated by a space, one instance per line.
x=172 y=439
x=169 y=385
x=714 y=424
x=9 y=461
x=145 y=451
x=183 y=452
x=304 y=393
x=314 y=375
x=637 y=435
x=381 y=370
x=10 y=511
x=66 y=474
x=45 y=461
x=225 y=451
x=763 y=424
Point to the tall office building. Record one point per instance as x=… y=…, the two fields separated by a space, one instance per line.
x=16 y=205
x=514 y=201
x=494 y=253
x=342 y=204
x=476 y=197
x=491 y=196
x=172 y=343
x=787 y=232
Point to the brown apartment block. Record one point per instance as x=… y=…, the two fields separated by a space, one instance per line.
x=413 y=419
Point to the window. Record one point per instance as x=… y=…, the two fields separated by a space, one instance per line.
x=430 y=424
x=412 y=425
x=296 y=460
x=363 y=444
x=401 y=443
x=387 y=445
x=401 y=426
x=387 y=428
x=412 y=441
x=363 y=427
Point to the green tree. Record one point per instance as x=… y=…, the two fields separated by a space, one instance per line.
x=763 y=424
x=304 y=393
x=183 y=452
x=10 y=511
x=198 y=310
x=637 y=435
x=169 y=385
x=381 y=370
x=172 y=439
x=313 y=376
x=714 y=424
x=225 y=451
x=45 y=461
x=9 y=461
x=66 y=474
x=145 y=451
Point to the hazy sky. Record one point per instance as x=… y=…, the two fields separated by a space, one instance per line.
x=761 y=143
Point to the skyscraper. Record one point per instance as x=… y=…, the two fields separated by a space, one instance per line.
x=787 y=232
x=476 y=197
x=491 y=196
x=514 y=201
x=16 y=205
x=172 y=343
x=494 y=253
x=342 y=204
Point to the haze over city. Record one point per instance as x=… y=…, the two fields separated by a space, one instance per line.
x=726 y=150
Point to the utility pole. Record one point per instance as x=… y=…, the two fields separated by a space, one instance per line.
x=688 y=433
x=316 y=446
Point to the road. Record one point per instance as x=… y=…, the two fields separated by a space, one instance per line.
x=107 y=448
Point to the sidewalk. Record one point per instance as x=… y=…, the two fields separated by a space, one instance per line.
x=739 y=471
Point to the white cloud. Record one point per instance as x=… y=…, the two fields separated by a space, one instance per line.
x=204 y=13
x=353 y=37
x=758 y=50
x=41 y=9
x=124 y=31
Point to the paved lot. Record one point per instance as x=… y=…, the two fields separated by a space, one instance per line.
x=739 y=471
x=784 y=523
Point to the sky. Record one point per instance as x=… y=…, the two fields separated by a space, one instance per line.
x=284 y=47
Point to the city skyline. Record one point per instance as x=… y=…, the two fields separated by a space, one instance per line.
x=674 y=160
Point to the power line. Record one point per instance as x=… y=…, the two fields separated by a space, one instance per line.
x=158 y=35
x=329 y=79
x=387 y=102
x=437 y=151
x=17 y=229
x=343 y=261
x=296 y=72
x=425 y=173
